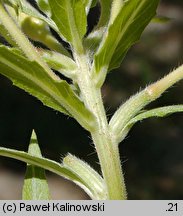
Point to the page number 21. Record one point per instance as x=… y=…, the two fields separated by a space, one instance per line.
x=172 y=207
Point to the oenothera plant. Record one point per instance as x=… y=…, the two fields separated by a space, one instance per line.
x=86 y=64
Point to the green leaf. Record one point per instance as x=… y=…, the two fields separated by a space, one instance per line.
x=89 y=4
x=91 y=178
x=105 y=6
x=70 y=17
x=157 y=112
x=94 y=38
x=137 y=102
x=44 y=6
x=28 y=75
x=94 y=3
x=31 y=77
x=47 y=165
x=127 y=111
x=92 y=41
x=122 y=33
x=161 y=19
x=14 y=3
x=59 y=62
x=35 y=184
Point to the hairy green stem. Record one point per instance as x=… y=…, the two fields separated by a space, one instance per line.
x=53 y=44
x=136 y=103
x=106 y=149
x=157 y=88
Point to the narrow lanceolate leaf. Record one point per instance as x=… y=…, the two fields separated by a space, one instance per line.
x=157 y=112
x=94 y=181
x=31 y=77
x=88 y=4
x=123 y=32
x=59 y=62
x=136 y=103
x=70 y=18
x=92 y=41
x=105 y=8
x=35 y=184
x=47 y=165
x=161 y=19
x=44 y=6
x=14 y=3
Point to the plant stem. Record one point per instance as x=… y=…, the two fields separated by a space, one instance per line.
x=156 y=89
x=106 y=149
x=53 y=44
x=136 y=103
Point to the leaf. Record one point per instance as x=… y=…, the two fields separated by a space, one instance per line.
x=92 y=41
x=94 y=38
x=127 y=111
x=27 y=75
x=91 y=178
x=94 y=3
x=157 y=112
x=161 y=19
x=137 y=102
x=126 y=29
x=59 y=62
x=105 y=6
x=35 y=184
x=31 y=77
x=13 y=3
x=87 y=4
x=70 y=18
x=47 y=164
x=44 y=6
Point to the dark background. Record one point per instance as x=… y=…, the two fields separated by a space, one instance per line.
x=152 y=154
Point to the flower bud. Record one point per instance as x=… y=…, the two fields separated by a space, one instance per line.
x=35 y=28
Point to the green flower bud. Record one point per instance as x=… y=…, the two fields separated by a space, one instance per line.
x=38 y=30
x=35 y=28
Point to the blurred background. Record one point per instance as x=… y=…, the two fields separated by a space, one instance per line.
x=152 y=154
